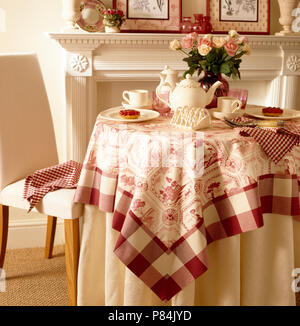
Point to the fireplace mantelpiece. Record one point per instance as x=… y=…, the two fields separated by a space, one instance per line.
x=91 y=58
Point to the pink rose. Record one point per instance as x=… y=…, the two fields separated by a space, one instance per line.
x=231 y=46
x=120 y=12
x=205 y=41
x=243 y=39
x=193 y=36
x=188 y=41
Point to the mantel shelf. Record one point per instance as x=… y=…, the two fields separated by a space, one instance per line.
x=91 y=41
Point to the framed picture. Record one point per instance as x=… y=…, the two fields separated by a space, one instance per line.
x=245 y=16
x=153 y=16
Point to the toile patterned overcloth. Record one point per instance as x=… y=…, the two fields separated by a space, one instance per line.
x=37 y=185
x=173 y=192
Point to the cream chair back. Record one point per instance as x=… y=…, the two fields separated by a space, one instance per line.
x=27 y=140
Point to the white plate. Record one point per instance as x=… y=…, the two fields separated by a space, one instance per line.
x=113 y=115
x=222 y=115
x=139 y=107
x=286 y=115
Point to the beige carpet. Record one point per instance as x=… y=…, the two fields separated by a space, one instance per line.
x=32 y=280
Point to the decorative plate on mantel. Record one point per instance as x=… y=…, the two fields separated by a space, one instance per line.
x=91 y=19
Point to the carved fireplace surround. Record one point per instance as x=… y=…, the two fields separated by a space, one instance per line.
x=99 y=57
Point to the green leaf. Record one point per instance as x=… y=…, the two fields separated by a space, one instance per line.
x=225 y=68
x=210 y=57
x=224 y=56
x=234 y=75
x=240 y=54
x=228 y=58
x=189 y=71
x=215 y=69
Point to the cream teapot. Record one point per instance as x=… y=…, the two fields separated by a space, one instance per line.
x=169 y=76
x=188 y=92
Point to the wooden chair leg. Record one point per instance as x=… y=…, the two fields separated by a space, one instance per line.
x=51 y=227
x=4 y=214
x=72 y=257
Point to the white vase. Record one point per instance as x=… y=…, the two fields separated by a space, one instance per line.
x=112 y=29
x=286 y=18
x=70 y=13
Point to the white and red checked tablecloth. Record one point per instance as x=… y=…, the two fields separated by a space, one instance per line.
x=169 y=201
x=275 y=142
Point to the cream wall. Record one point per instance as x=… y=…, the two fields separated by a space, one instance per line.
x=26 y=24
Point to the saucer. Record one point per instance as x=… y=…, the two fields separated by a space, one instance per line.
x=140 y=107
x=230 y=115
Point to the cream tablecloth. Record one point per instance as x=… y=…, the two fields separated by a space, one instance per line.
x=254 y=268
x=239 y=183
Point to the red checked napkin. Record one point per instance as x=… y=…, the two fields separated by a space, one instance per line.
x=276 y=142
x=37 y=185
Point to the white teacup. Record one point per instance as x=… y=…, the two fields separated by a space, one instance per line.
x=137 y=97
x=228 y=104
x=203 y=121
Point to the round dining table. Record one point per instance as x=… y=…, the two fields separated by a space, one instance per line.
x=192 y=218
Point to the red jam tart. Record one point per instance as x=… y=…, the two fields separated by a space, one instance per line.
x=272 y=111
x=129 y=114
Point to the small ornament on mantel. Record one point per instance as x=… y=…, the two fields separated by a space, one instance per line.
x=296 y=21
x=70 y=13
x=112 y=20
x=288 y=12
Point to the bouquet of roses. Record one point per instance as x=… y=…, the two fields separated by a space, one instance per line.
x=113 y=17
x=213 y=54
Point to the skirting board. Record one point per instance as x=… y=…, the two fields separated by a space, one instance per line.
x=31 y=233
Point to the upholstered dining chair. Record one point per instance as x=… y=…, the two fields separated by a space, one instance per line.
x=27 y=144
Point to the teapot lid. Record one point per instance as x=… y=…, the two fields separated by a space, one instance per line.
x=167 y=71
x=188 y=82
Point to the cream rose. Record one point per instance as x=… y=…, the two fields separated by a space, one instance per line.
x=246 y=48
x=204 y=49
x=219 y=41
x=175 y=45
x=233 y=33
